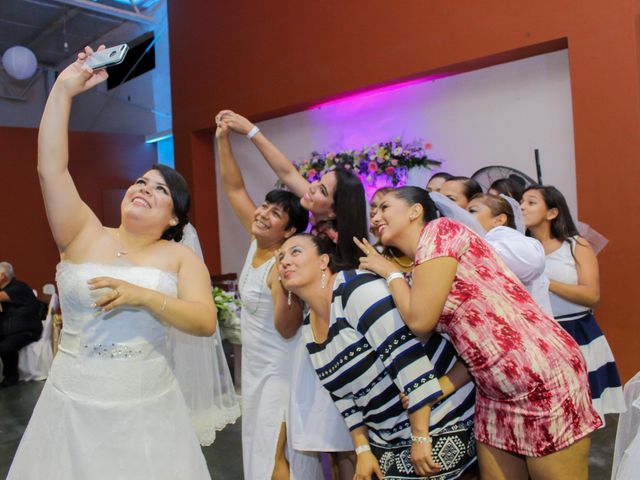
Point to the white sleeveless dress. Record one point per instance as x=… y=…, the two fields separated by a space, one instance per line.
x=111 y=407
x=578 y=320
x=267 y=360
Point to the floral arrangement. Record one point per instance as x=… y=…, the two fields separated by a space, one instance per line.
x=226 y=304
x=391 y=159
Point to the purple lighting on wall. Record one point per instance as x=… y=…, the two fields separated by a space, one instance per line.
x=367 y=93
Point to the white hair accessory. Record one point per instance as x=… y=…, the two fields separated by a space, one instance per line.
x=450 y=209
x=517 y=213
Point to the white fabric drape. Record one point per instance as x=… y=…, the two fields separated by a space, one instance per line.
x=626 y=456
x=35 y=359
x=200 y=366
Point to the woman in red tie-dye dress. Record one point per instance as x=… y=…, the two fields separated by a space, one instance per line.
x=533 y=406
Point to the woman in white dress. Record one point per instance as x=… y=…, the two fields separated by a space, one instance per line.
x=270 y=322
x=111 y=407
x=572 y=268
x=505 y=233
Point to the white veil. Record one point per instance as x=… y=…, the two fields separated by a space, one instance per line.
x=450 y=209
x=202 y=372
x=517 y=213
x=591 y=235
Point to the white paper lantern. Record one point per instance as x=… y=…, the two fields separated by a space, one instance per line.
x=19 y=62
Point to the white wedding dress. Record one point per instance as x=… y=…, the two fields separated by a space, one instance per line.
x=111 y=407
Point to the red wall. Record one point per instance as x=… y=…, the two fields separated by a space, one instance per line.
x=98 y=162
x=265 y=59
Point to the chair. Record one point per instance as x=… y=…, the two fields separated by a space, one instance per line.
x=35 y=359
x=626 y=456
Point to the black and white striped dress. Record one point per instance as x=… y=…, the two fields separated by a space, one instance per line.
x=369 y=357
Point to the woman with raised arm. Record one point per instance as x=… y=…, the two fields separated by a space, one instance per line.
x=337 y=202
x=533 y=409
x=365 y=356
x=111 y=407
x=270 y=322
x=572 y=268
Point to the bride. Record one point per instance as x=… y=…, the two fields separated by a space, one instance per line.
x=112 y=407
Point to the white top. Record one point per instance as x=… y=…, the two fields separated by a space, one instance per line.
x=560 y=266
x=525 y=257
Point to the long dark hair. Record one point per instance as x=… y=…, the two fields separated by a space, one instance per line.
x=511 y=187
x=179 y=191
x=350 y=207
x=562 y=227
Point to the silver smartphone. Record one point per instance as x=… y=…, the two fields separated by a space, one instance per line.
x=107 y=57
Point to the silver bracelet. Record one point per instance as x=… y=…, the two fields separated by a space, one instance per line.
x=392 y=276
x=362 y=449
x=417 y=439
x=253 y=132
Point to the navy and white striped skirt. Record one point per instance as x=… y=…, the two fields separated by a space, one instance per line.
x=604 y=380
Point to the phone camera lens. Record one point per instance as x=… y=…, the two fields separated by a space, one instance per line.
x=112 y=54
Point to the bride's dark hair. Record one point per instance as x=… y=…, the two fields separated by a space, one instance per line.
x=179 y=191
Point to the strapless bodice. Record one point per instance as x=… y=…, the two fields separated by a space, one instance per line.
x=125 y=332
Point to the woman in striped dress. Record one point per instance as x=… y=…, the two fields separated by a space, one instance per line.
x=364 y=355
x=572 y=268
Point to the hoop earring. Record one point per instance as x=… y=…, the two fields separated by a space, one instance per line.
x=289 y=299
x=323 y=279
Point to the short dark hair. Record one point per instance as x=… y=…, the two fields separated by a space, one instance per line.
x=179 y=191
x=471 y=187
x=412 y=195
x=509 y=187
x=562 y=227
x=290 y=204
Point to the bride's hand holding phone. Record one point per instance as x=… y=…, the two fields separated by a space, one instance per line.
x=78 y=77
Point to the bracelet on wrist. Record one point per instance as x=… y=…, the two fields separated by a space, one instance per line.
x=419 y=439
x=362 y=449
x=253 y=132
x=393 y=276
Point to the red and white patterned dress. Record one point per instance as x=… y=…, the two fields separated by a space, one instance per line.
x=533 y=394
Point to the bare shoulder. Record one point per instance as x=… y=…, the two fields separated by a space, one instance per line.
x=583 y=245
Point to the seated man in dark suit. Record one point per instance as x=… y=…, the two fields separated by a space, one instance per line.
x=20 y=322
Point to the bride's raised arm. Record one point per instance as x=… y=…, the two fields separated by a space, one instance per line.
x=68 y=215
